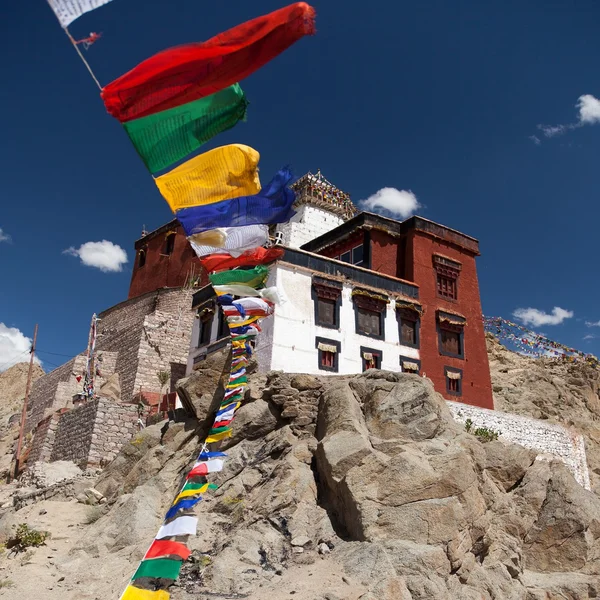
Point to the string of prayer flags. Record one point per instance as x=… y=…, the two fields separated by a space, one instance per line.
x=184 y=504
x=67 y=11
x=163 y=138
x=205 y=467
x=273 y=204
x=134 y=593
x=229 y=240
x=186 y=73
x=258 y=256
x=218 y=174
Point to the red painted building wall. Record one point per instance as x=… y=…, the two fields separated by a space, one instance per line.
x=476 y=380
x=161 y=269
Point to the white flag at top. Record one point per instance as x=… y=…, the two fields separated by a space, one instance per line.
x=69 y=10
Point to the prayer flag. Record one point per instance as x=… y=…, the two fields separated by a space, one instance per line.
x=133 y=593
x=163 y=138
x=254 y=278
x=158 y=568
x=67 y=11
x=217 y=437
x=235 y=240
x=204 y=467
x=224 y=172
x=167 y=548
x=273 y=204
x=180 y=526
x=186 y=73
x=223 y=262
x=184 y=504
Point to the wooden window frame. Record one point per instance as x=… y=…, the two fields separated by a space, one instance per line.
x=409 y=359
x=336 y=360
x=362 y=262
x=376 y=353
x=405 y=314
x=454 y=328
x=327 y=290
x=448 y=380
x=363 y=302
x=446 y=268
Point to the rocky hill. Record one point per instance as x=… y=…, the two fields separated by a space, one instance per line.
x=13 y=382
x=341 y=488
x=564 y=393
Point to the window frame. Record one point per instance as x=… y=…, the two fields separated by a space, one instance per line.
x=349 y=253
x=326 y=290
x=375 y=353
x=202 y=325
x=142 y=253
x=448 y=269
x=460 y=329
x=336 y=359
x=401 y=315
x=362 y=302
x=362 y=261
x=409 y=359
x=450 y=392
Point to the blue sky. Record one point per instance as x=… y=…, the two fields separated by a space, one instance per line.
x=437 y=98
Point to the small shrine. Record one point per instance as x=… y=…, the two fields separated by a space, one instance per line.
x=316 y=190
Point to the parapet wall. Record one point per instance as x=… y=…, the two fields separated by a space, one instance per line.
x=550 y=440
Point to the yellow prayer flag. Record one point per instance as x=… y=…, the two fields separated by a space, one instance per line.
x=188 y=493
x=133 y=593
x=219 y=174
x=217 y=437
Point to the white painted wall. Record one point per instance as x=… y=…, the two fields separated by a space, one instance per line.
x=308 y=223
x=287 y=341
x=194 y=349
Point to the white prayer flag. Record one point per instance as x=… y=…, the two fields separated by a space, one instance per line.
x=234 y=240
x=69 y=10
x=180 y=526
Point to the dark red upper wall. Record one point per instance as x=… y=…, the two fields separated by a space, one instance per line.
x=162 y=270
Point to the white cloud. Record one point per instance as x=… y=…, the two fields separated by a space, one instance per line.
x=104 y=255
x=398 y=203
x=593 y=323
x=4 y=237
x=589 y=114
x=535 y=139
x=589 y=336
x=535 y=317
x=589 y=109
x=14 y=347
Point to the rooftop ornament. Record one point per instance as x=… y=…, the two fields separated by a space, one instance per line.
x=316 y=190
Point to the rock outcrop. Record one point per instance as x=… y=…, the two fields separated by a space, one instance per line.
x=344 y=488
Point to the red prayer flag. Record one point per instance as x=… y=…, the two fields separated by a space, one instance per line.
x=166 y=548
x=186 y=73
x=250 y=258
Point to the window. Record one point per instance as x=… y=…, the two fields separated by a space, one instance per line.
x=141 y=259
x=206 y=316
x=169 y=243
x=369 y=310
x=357 y=255
x=408 y=323
x=346 y=257
x=451 y=334
x=447 y=272
x=327 y=296
x=446 y=287
x=328 y=354
x=368 y=322
x=453 y=381
x=410 y=365
x=451 y=342
x=223 y=330
x=371 y=359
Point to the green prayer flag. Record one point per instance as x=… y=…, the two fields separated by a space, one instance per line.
x=253 y=277
x=158 y=568
x=215 y=430
x=163 y=138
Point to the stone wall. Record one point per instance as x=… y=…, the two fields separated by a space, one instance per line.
x=115 y=425
x=43 y=441
x=74 y=434
x=552 y=441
